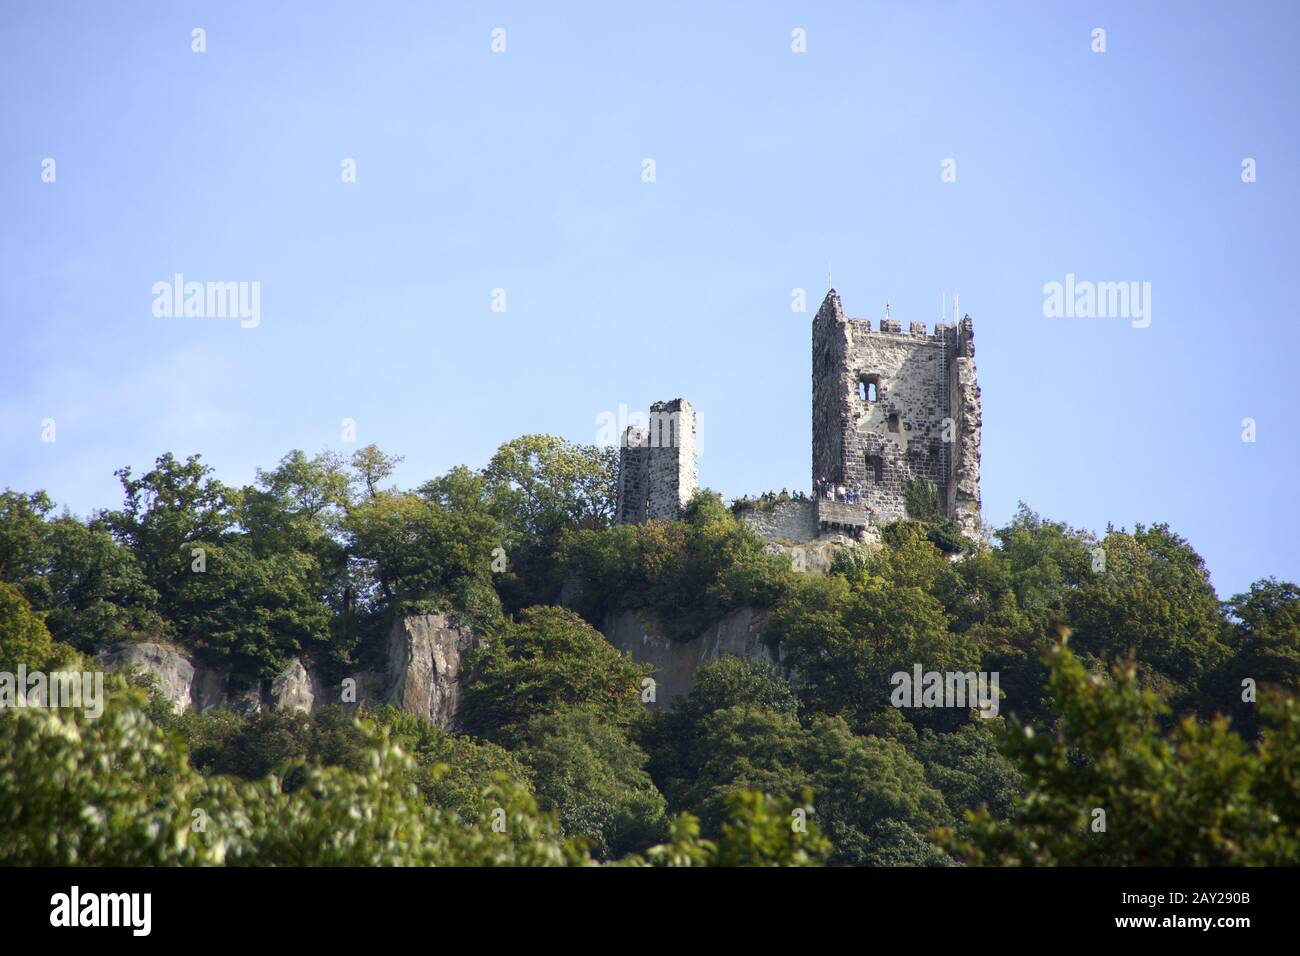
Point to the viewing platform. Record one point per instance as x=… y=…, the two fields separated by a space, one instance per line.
x=844 y=516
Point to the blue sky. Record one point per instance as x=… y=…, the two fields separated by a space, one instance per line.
x=522 y=171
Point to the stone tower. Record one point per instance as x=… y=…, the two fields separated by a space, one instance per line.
x=657 y=473
x=891 y=406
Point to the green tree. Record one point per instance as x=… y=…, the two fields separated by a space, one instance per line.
x=453 y=772
x=539 y=484
x=688 y=573
x=93 y=589
x=369 y=467
x=845 y=640
x=547 y=660
x=1045 y=560
x=969 y=769
x=24 y=638
x=729 y=681
x=876 y=806
x=1195 y=795
x=1153 y=598
x=1263 y=640
x=224 y=743
x=762 y=831
x=99 y=594
x=24 y=544
x=250 y=614
x=539 y=487
x=168 y=512
x=59 y=808
x=424 y=554
x=298 y=506
x=587 y=771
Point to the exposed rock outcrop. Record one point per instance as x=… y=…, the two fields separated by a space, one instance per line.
x=424 y=658
x=675 y=662
x=211 y=689
x=817 y=557
x=171 y=668
x=295 y=689
x=422 y=676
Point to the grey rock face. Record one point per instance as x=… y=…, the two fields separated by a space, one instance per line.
x=246 y=702
x=675 y=662
x=422 y=676
x=368 y=688
x=424 y=658
x=294 y=689
x=210 y=690
x=174 y=671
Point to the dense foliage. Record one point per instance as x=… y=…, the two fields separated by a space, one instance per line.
x=1140 y=719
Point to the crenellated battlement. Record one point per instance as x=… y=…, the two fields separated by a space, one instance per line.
x=943 y=332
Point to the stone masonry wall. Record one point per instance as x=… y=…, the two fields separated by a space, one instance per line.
x=829 y=343
x=658 y=471
x=882 y=443
x=784 y=521
x=888 y=407
x=633 y=476
x=673 y=470
x=963 y=497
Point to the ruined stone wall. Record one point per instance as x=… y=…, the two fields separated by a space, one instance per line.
x=658 y=470
x=633 y=476
x=888 y=407
x=673 y=470
x=962 y=503
x=923 y=386
x=784 y=521
x=830 y=339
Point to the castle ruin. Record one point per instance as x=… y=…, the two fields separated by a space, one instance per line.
x=889 y=408
x=657 y=470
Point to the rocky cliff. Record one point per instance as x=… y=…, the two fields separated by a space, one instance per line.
x=423 y=673
x=422 y=676
x=675 y=662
